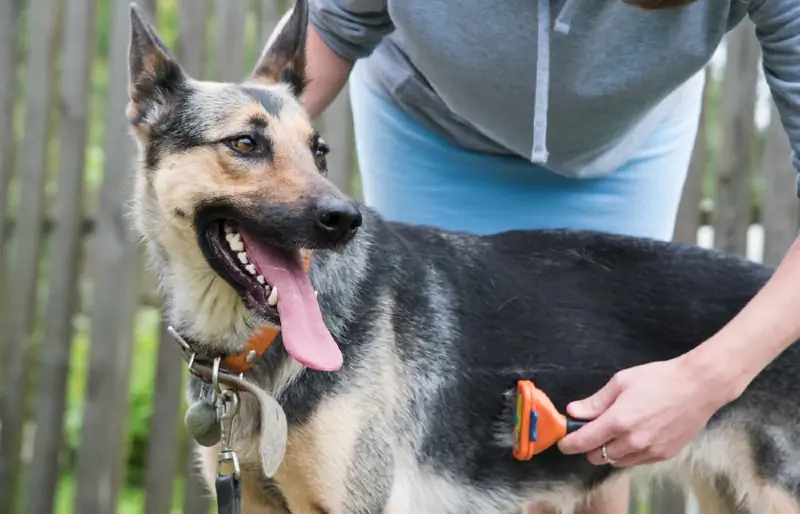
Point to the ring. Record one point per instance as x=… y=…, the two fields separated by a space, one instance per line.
x=604 y=454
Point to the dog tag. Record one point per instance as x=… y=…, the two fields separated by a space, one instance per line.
x=274 y=428
x=274 y=434
x=202 y=423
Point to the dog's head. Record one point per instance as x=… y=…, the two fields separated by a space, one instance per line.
x=232 y=188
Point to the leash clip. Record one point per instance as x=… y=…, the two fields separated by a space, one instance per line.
x=229 y=494
x=228 y=409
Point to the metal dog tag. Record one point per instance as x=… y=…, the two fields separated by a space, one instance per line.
x=203 y=424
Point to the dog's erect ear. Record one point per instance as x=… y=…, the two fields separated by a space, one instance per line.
x=284 y=56
x=153 y=73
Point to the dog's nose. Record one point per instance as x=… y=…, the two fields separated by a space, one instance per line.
x=338 y=219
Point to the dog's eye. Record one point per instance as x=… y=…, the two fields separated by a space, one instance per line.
x=321 y=149
x=243 y=144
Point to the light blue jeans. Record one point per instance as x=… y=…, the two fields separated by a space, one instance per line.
x=412 y=175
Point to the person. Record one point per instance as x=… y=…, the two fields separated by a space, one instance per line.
x=484 y=117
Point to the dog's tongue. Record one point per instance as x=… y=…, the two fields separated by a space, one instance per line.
x=305 y=335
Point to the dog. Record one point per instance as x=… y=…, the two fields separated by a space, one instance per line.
x=400 y=348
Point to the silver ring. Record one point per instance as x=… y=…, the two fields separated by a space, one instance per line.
x=604 y=454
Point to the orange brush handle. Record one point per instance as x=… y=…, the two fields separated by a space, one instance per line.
x=537 y=423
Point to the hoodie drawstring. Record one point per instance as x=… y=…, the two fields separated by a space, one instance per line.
x=539 y=152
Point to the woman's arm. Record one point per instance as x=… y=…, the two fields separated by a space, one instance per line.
x=641 y=415
x=649 y=413
x=339 y=33
x=326 y=73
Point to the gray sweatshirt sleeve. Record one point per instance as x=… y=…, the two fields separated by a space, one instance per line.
x=778 y=29
x=352 y=28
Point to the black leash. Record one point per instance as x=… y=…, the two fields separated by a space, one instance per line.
x=229 y=494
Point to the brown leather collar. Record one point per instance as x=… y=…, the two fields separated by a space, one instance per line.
x=237 y=363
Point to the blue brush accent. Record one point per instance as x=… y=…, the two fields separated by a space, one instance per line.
x=534 y=425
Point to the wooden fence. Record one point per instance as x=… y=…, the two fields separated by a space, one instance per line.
x=91 y=385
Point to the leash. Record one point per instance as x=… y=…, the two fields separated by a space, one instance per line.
x=537 y=423
x=210 y=420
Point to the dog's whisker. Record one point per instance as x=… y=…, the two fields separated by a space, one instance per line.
x=166 y=224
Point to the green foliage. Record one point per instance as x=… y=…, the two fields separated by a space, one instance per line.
x=131 y=500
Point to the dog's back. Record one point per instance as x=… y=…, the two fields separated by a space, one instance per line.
x=470 y=316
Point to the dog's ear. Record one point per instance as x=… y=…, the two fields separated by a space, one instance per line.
x=284 y=56
x=154 y=75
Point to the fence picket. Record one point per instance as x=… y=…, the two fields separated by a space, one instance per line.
x=736 y=126
x=164 y=437
x=64 y=263
x=781 y=210
x=115 y=264
x=688 y=219
x=229 y=47
x=10 y=21
x=42 y=33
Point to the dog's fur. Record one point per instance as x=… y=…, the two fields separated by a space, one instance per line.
x=435 y=326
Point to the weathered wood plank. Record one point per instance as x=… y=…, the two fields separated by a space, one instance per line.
x=9 y=34
x=115 y=264
x=781 y=210
x=337 y=130
x=229 y=47
x=42 y=31
x=736 y=123
x=164 y=438
x=196 y=496
x=192 y=19
x=269 y=16
x=688 y=219
x=78 y=44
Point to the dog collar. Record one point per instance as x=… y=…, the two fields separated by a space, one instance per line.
x=242 y=361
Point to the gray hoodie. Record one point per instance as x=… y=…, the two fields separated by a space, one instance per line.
x=573 y=85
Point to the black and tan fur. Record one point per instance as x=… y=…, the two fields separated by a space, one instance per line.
x=435 y=326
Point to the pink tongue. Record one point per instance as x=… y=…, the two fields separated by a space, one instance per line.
x=305 y=336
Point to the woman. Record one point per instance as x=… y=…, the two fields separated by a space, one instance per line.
x=490 y=116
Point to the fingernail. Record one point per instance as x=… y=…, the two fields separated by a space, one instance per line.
x=576 y=409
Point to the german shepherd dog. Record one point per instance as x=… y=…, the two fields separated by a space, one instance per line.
x=401 y=346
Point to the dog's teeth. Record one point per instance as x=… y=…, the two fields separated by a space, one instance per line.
x=250 y=269
x=316 y=293
x=235 y=242
x=242 y=257
x=261 y=280
x=272 y=301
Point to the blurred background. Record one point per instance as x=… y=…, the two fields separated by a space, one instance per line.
x=91 y=387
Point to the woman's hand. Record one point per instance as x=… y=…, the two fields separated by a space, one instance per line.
x=648 y=413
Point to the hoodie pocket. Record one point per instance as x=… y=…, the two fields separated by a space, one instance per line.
x=414 y=95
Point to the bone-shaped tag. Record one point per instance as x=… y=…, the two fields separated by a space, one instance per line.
x=274 y=428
